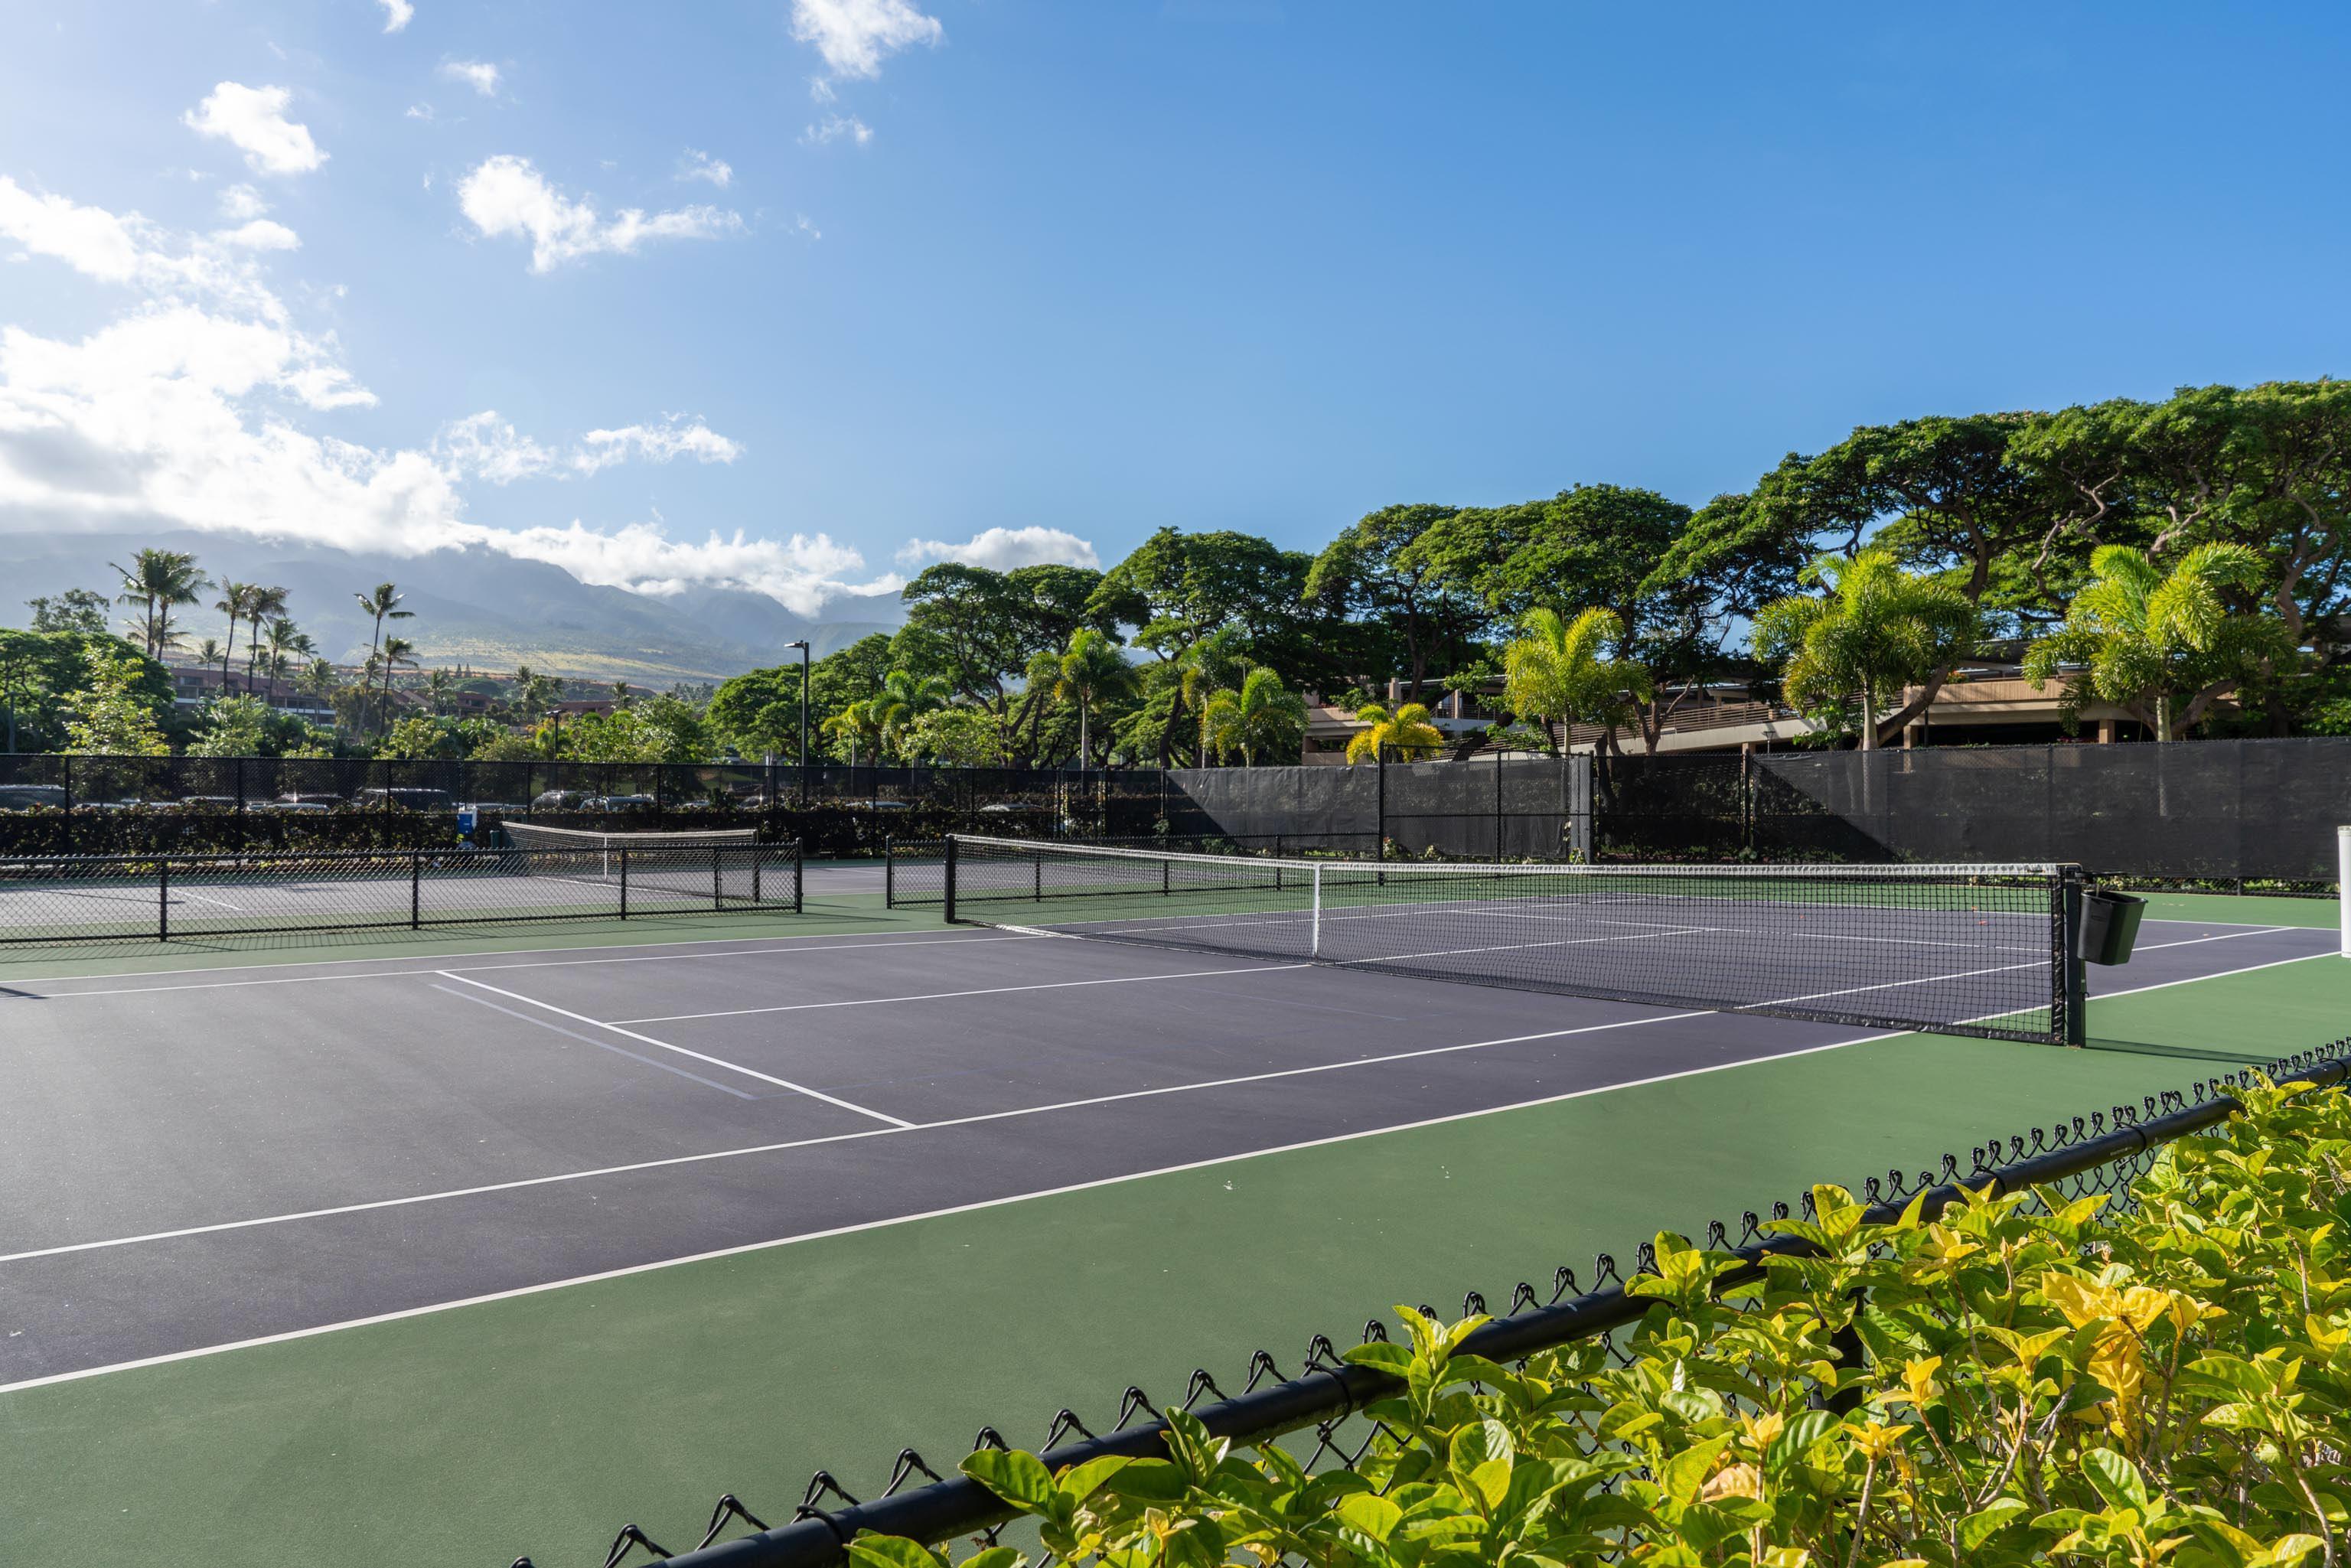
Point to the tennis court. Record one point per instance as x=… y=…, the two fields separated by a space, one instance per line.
x=461 y=1248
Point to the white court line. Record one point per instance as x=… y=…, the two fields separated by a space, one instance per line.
x=664 y=1045
x=428 y=966
x=599 y=1044
x=1018 y=1112
x=950 y=996
x=204 y=1351
x=872 y=937
x=222 y=903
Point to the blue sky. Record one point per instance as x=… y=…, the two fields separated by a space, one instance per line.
x=1010 y=280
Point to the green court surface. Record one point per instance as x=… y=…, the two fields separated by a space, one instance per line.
x=541 y=1422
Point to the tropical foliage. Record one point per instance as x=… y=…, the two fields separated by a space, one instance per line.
x=1263 y=720
x=2161 y=645
x=2024 y=1379
x=1873 y=630
x=1856 y=581
x=1402 y=733
x=1557 y=669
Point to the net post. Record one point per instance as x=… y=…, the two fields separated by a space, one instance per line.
x=2343 y=883
x=889 y=870
x=948 y=881
x=717 y=887
x=624 y=880
x=415 y=889
x=758 y=865
x=162 y=898
x=2073 y=972
x=1315 y=950
x=800 y=874
x=1037 y=864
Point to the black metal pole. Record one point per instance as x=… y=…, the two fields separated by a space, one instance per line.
x=2072 y=975
x=803 y=647
x=948 y=881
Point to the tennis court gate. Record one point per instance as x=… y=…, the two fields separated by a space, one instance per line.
x=1506 y=807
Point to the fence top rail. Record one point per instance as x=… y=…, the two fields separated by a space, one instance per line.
x=1903 y=871
x=11 y=863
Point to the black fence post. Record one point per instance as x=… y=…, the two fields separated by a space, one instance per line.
x=948 y=889
x=67 y=781
x=163 y=898
x=415 y=889
x=889 y=870
x=799 y=876
x=1380 y=765
x=2072 y=974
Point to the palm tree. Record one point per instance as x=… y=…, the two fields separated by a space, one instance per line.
x=1876 y=630
x=2144 y=640
x=1091 y=669
x=158 y=580
x=1555 y=670
x=285 y=643
x=438 y=684
x=1264 y=715
x=260 y=604
x=235 y=598
x=383 y=603
x=319 y=676
x=211 y=652
x=904 y=697
x=853 y=725
x=397 y=651
x=1405 y=731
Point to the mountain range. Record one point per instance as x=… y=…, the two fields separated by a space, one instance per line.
x=487 y=611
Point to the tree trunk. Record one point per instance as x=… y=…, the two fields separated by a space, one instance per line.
x=1868 y=717
x=2163 y=716
x=1085 y=745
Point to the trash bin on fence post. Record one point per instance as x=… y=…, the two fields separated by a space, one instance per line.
x=2109 y=926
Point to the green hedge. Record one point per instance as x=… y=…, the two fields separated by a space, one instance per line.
x=2025 y=1379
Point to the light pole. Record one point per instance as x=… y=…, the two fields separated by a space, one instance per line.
x=803 y=647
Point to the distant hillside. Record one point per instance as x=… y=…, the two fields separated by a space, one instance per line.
x=486 y=610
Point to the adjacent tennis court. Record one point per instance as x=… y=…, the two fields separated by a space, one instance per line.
x=427 y=1219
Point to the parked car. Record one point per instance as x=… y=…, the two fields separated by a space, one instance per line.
x=619 y=803
x=301 y=805
x=412 y=800
x=877 y=805
x=26 y=797
x=225 y=802
x=560 y=800
x=293 y=798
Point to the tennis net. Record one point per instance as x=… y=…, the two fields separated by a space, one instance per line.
x=1976 y=949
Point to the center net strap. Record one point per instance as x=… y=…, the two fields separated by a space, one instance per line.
x=1957 y=949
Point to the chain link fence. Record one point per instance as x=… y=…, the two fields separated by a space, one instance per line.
x=146 y=898
x=1318 y=1409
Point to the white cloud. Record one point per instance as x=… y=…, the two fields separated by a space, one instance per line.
x=90 y=240
x=484 y=446
x=506 y=197
x=419 y=111
x=1001 y=549
x=239 y=202
x=660 y=443
x=834 y=128
x=253 y=119
x=801 y=224
x=479 y=75
x=855 y=36
x=261 y=234
x=181 y=413
x=397 y=13
x=699 y=165
x=821 y=90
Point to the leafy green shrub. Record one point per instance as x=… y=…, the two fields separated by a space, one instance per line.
x=2017 y=1379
